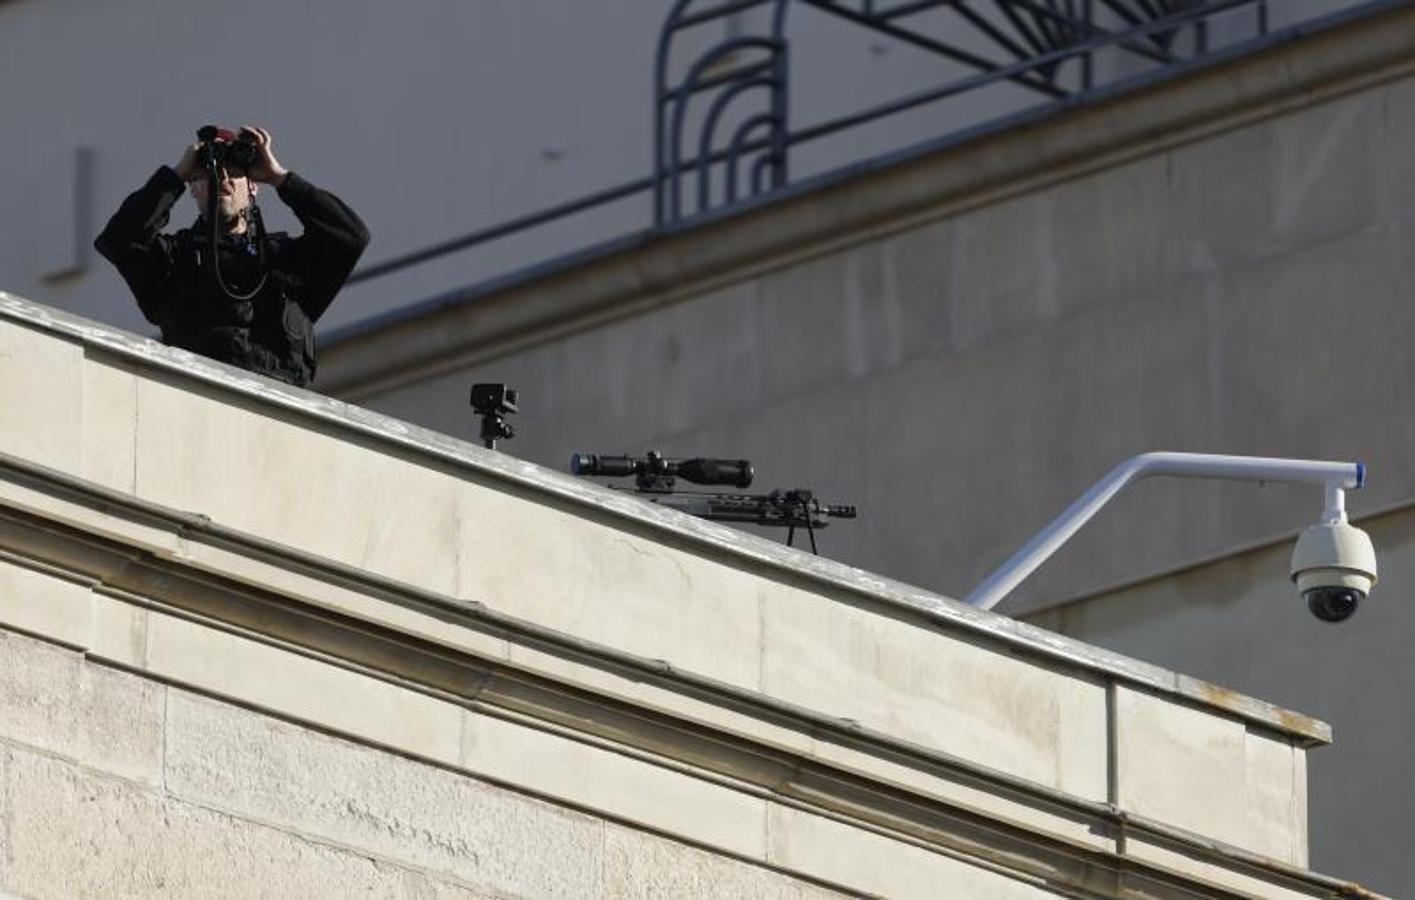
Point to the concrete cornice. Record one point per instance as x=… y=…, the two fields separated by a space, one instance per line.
x=178 y=564
x=1292 y=69
x=894 y=598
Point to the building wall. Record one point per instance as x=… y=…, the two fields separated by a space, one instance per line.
x=432 y=119
x=1179 y=295
x=119 y=785
x=963 y=345
x=1232 y=620
x=308 y=637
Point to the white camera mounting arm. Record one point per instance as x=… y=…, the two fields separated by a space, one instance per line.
x=1336 y=477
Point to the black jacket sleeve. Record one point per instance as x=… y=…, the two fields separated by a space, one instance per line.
x=131 y=241
x=334 y=239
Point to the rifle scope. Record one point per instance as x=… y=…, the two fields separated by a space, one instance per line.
x=699 y=470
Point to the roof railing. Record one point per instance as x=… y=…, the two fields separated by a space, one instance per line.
x=722 y=134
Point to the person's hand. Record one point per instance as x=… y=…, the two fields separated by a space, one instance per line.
x=188 y=168
x=267 y=168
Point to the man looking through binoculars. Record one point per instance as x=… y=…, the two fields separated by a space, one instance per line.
x=224 y=288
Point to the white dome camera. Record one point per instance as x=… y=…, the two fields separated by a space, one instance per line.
x=1334 y=567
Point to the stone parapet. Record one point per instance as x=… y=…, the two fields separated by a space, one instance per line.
x=294 y=599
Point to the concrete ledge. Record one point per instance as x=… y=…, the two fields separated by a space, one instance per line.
x=355 y=575
x=649 y=763
x=124 y=354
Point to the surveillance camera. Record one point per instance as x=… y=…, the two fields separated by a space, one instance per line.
x=1334 y=567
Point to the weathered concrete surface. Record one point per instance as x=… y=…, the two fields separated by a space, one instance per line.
x=1214 y=772
x=437 y=820
x=639 y=869
x=282 y=775
x=94 y=716
x=900 y=869
x=1256 y=633
x=218 y=409
x=76 y=834
x=962 y=345
x=228 y=802
x=639 y=667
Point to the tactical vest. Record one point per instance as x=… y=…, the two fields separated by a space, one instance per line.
x=267 y=333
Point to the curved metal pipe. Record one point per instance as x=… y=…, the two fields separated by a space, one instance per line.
x=1336 y=477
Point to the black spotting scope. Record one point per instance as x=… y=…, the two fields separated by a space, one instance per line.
x=655 y=473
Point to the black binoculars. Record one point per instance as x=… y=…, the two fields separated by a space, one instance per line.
x=239 y=154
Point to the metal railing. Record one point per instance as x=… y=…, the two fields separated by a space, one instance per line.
x=737 y=91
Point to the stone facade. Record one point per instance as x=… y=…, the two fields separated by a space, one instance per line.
x=963 y=342
x=116 y=785
x=254 y=640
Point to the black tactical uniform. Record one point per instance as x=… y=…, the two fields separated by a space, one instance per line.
x=272 y=332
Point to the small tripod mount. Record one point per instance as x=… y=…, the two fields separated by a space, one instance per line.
x=493 y=402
